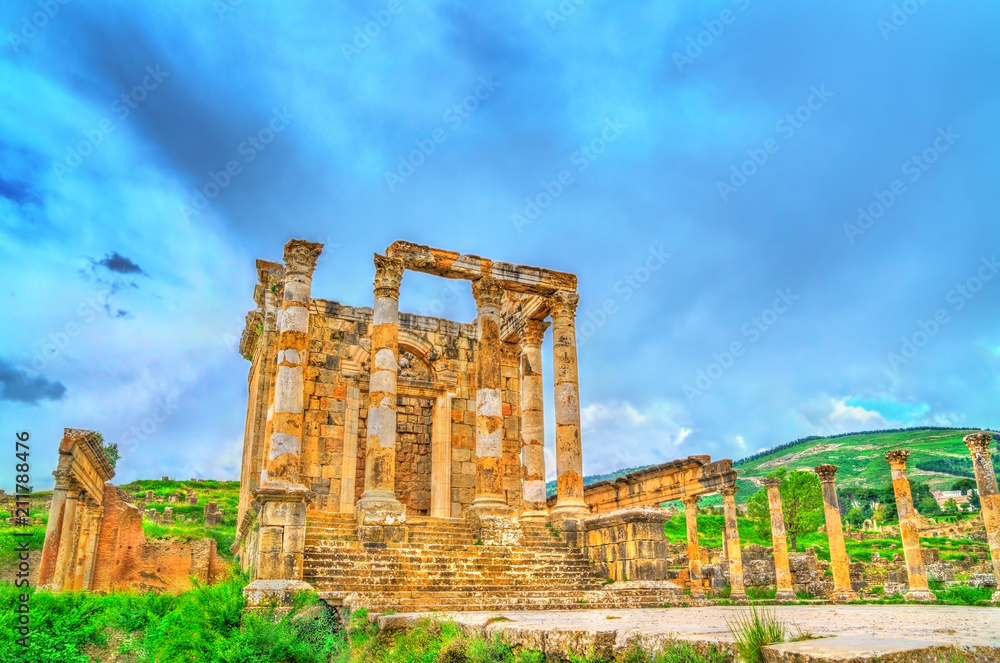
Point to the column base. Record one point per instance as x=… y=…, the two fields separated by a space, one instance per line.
x=494 y=526
x=534 y=516
x=786 y=595
x=280 y=593
x=844 y=595
x=921 y=595
x=381 y=517
x=738 y=597
x=569 y=508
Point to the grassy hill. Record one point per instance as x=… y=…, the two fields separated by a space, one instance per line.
x=937 y=456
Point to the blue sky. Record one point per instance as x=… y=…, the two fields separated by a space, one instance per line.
x=782 y=215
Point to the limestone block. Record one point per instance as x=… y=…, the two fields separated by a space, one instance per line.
x=283 y=513
x=982 y=580
x=271 y=539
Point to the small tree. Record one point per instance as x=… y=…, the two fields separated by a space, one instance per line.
x=928 y=506
x=801 y=503
x=110 y=450
x=950 y=506
x=855 y=516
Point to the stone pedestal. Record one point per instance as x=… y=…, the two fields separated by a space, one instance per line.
x=989 y=496
x=782 y=573
x=731 y=538
x=839 y=564
x=281 y=545
x=909 y=528
x=495 y=527
x=628 y=544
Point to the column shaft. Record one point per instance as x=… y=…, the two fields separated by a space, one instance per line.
x=380 y=445
x=53 y=530
x=283 y=459
x=569 y=449
x=533 y=420
x=489 y=406
x=66 y=540
x=83 y=539
x=839 y=563
x=732 y=548
x=694 y=549
x=441 y=457
x=989 y=496
x=909 y=528
x=782 y=573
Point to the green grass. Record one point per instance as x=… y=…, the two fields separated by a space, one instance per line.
x=211 y=625
x=754 y=629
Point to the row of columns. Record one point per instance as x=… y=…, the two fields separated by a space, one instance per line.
x=919 y=590
x=909 y=526
x=378 y=498
x=783 y=577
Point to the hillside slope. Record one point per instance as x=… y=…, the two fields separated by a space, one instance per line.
x=937 y=456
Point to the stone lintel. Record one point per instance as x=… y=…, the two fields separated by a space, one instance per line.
x=635 y=514
x=691 y=476
x=452 y=265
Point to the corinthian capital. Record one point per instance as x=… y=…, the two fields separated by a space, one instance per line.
x=533 y=331
x=388 y=276
x=301 y=257
x=487 y=291
x=729 y=491
x=978 y=442
x=825 y=473
x=897 y=456
x=563 y=305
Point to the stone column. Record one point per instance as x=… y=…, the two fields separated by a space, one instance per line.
x=82 y=545
x=782 y=574
x=569 y=450
x=533 y=420
x=283 y=461
x=842 y=590
x=441 y=457
x=282 y=496
x=732 y=545
x=989 y=496
x=53 y=530
x=909 y=528
x=378 y=506
x=67 y=540
x=489 y=408
x=694 y=549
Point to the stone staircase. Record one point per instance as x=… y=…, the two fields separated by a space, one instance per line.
x=442 y=568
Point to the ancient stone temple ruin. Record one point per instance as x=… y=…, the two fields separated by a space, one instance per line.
x=94 y=538
x=396 y=460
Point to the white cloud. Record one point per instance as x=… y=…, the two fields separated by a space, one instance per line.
x=830 y=416
x=618 y=434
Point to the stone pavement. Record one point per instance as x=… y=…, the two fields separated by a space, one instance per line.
x=861 y=633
